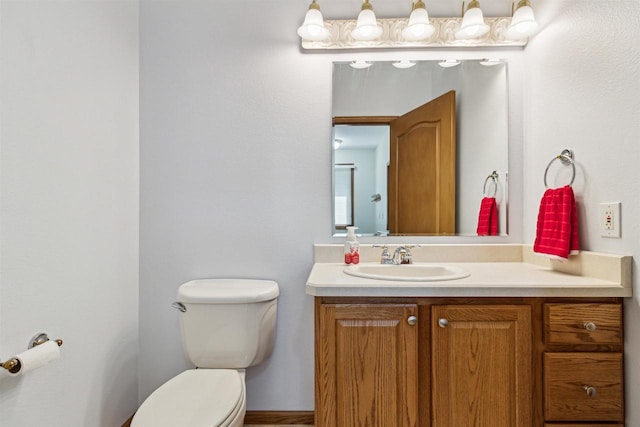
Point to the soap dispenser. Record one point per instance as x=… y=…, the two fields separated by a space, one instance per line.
x=351 y=247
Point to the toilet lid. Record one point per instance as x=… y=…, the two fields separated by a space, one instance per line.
x=194 y=398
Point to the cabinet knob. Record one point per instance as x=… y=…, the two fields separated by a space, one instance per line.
x=443 y=323
x=591 y=391
x=590 y=326
x=412 y=320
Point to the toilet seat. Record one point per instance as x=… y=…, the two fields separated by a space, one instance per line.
x=196 y=398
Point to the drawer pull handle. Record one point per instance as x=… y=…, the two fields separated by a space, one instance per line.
x=590 y=326
x=591 y=391
x=412 y=320
x=443 y=323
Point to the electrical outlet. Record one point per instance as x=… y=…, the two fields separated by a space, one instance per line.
x=610 y=219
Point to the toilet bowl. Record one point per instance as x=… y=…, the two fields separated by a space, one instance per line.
x=227 y=325
x=196 y=397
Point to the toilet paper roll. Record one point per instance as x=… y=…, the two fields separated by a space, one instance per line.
x=36 y=357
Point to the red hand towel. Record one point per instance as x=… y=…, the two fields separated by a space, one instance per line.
x=557 y=233
x=488 y=217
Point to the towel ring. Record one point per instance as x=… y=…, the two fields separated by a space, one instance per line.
x=494 y=177
x=566 y=158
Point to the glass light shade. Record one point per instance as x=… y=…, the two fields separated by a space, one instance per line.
x=313 y=27
x=448 y=63
x=367 y=27
x=523 y=23
x=419 y=27
x=473 y=25
x=360 y=64
x=490 y=62
x=404 y=63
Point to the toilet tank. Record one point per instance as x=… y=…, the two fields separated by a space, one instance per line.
x=228 y=323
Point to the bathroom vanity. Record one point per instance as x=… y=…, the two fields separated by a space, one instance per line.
x=521 y=341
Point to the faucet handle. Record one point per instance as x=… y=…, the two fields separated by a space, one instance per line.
x=385 y=257
x=405 y=252
x=405 y=255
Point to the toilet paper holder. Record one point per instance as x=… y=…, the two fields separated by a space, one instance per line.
x=37 y=339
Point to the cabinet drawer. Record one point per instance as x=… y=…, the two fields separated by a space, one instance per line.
x=577 y=324
x=567 y=377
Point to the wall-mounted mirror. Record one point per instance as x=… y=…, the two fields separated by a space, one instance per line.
x=415 y=149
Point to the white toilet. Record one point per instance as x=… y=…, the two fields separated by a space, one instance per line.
x=227 y=325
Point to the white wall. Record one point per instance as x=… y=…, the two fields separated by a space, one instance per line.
x=235 y=176
x=236 y=171
x=582 y=91
x=69 y=208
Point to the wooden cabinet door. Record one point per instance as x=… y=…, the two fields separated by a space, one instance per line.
x=366 y=365
x=481 y=366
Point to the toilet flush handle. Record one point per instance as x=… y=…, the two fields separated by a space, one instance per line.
x=180 y=306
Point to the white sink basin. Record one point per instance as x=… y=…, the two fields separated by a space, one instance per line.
x=417 y=272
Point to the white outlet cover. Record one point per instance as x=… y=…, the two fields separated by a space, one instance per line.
x=609 y=219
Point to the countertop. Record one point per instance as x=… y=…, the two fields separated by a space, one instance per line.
x=495 y=271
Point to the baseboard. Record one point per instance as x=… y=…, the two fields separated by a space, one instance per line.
x=270 y=417
x=279 y=417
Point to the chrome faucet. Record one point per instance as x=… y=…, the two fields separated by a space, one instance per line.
x=402 y=255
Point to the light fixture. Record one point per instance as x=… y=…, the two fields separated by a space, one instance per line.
x=470 y=28
x=523 y=22
x=448 y=63
x=367 y=27
x=403 y=64
x=360 y=64
x=419 y=27
x=490 y=62
x=313 y=26
x=337 y=143
x=473 y=25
